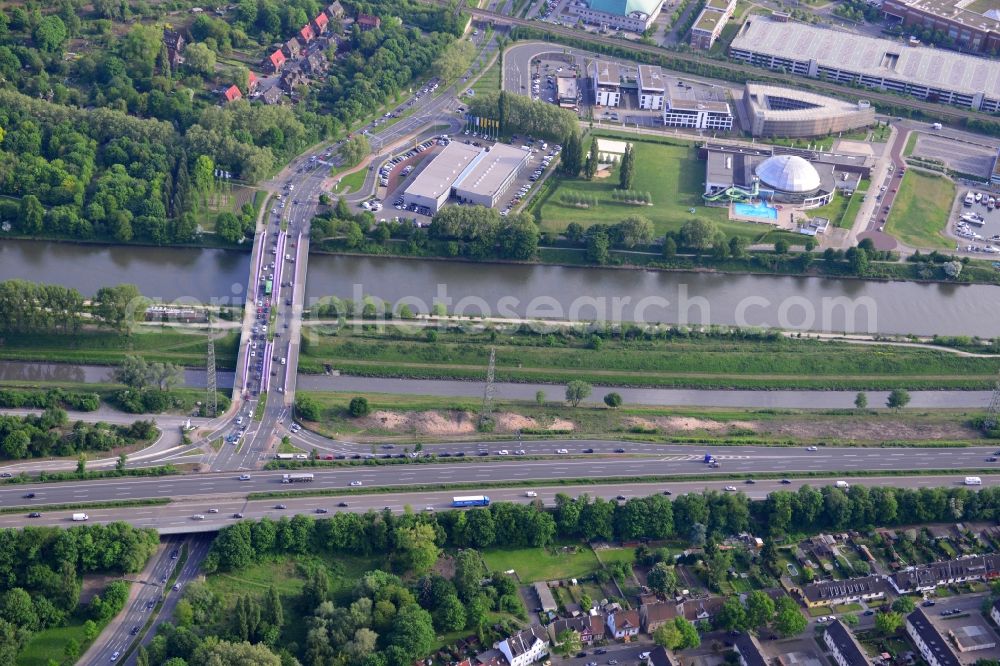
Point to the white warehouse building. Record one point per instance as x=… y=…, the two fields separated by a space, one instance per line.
x=490 y=175
x=432 y=186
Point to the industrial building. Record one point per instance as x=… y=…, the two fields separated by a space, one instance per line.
x=710 y=22
x=800 y=178
x=786 y=112
x=489 y=175
x=967 y=28
x=567 y=93
x=933 y=74
x=606 y=78
x=684 y=108
x=651 y=87
x=631 y=15
x=432 y=186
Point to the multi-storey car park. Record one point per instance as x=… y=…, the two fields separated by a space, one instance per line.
x=932 y=74
x=777 y=111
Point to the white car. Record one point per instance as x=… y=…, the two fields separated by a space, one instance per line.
x=812 y=448
x=355 y=483
x=531 y=493
x=244 y=477
x=503 y=452
x=114 y=657
x=562 y=450
x=239 y=420
x=731 y=489
x=301 y=456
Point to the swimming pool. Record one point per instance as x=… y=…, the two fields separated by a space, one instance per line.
x=761 y=210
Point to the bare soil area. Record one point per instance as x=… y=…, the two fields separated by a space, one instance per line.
x=453 y=422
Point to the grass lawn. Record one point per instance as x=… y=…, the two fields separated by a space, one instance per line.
x=921 y=209
x=911 y=143
x=352 y=182
x=847 y=608
x=288 y=447
x=48 y=645
x=490 y=80
x=535 y=564
x=671 y=172
x=846 y=220
x=833 y=211
x=609 y=555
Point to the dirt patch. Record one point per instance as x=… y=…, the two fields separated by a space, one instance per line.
x=508 y=422
x=602 y=173
x=562 y=424
x=423 y=423
x=688 y=424
x=93 y=585
x=444 y=567
x=870 y=429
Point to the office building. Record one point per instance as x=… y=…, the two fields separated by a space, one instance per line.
x=606 y=78
x=710 y=22
x=684 y=107
x=651 y=87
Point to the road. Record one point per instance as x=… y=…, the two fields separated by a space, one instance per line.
x=176 y=518
x=667 y=460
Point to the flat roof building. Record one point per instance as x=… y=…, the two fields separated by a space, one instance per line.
x=786 y=112
x=842 y=57
x=710 y=22
x=487 y=177
x=567 y=93
x=651 y=87
x=967 y=27
x=683 y=107
x=432 y=186
x=606 y=78
x=631 y=15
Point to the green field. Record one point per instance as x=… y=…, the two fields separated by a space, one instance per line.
x=833 y=211
x=48 y=645
x=695 y=362
x=352 y=182
x=490 y=80
x=609 y=555
x=109 y=348
x=853 y=206
x=535 y=564
x=920 y=211
x=911 y=143
x=671 y=172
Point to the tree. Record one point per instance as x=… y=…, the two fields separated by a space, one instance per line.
x=699 y=234
x=733 y=616
x=216 y=652
x=133 y=372
x=571 y=159
x=760 y=609
x=15 y=445
x=860 y=400
x=122 y=461
x=539 y=398
x=952 y=269
x=668 y=636
x=662 y=579
x=633 y=230
x=450 y=615
x=454 y=60
x=590 y=166
x=626 y=172
x=577 y=391
x=613 y=400
x=359 y=406
x=81 y=464
x=418 y=551
x=50 y=33
x=898 y=398
x=120 y=307
x=790 y=621
x=199 y=59
x=355 y=149
x=781 y=246
x=568 y=643
x=598 y=246
x=669 y=247
x=904 y=605
x=888 y=623
x=469 y=571
x=31 y=214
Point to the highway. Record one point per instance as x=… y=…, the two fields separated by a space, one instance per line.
x=668 y=460
x=177 y=518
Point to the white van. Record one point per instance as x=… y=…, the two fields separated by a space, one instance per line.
x=80 y=517
x=843 y=484
x=973 y=481
x=531 y=493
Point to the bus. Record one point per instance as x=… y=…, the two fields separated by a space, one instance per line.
x=267 y=287
x=471 y=500
x=296 y=478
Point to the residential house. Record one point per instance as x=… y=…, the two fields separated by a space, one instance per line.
x=525 y=647
x=272 y=95
x=844 y=646
x=659 y=656
x=995 y=611
x=624 y=624
x=252 y=82
x=292 y=79
x=232 y=93
x=655 y=614
x=336 y=10
x=315 y=64
x=491 y=657
x=292 y=48
x=306 y=34
x=274 y=62
x=928 y=576
x=545 y=599
x=368 y=22
x=749 y=651
x=830 y=592
x=321 y=23
x=932 y=645
x=696 y=610
x=174 y=43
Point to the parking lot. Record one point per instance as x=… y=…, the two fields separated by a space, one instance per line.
x=960 y=156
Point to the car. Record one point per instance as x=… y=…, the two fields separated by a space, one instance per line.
x=531 y=493
x=503 y=452
x=562 y=451
x=991 y=459
x=34 y=514
x=213 y=511
x=244 y=477
x=177 y=586
x=928 y=603
x=591 y=663
x=619 y=450
x=280 y=506
x=28 y=495
x=343 y=505
x=600 y=651
x=785 y=482
x=750 y=482
x=731 y=489
x=868 y=613
x=612 y=662
x=621 y=497
x=812 y=448
x=115 y=656
x=643 y=656
x=667 y=493
x=356 y=483
x=237 y=515
x=134 y=630
x=588 y=450
x=581 y=654
x=174 y=554
x=428 y=508
x=6 y=475
x=822 y=619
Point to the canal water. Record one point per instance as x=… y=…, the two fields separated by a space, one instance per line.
x=546 y=292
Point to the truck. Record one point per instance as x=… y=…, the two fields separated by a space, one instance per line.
x=471 y=500
x=843 y=484
x=709 y=458
x=297 y=478
x=284 y=456
x=973 y=481
x=78 y=517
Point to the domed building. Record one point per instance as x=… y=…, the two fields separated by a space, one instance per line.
x=797 y=178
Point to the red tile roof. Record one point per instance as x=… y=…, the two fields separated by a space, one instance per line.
x=307 y=33
x=277 y=59
x=252 y=82
x=232 y=93
x=321 y=22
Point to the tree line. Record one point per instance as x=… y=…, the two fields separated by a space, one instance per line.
x=41 y=569
x=50 y=434
x=522 y=115
x=33 y=308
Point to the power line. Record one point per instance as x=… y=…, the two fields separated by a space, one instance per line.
x=993 y=411
x=211 y=392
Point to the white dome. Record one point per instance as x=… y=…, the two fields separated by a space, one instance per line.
x=788 y=173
